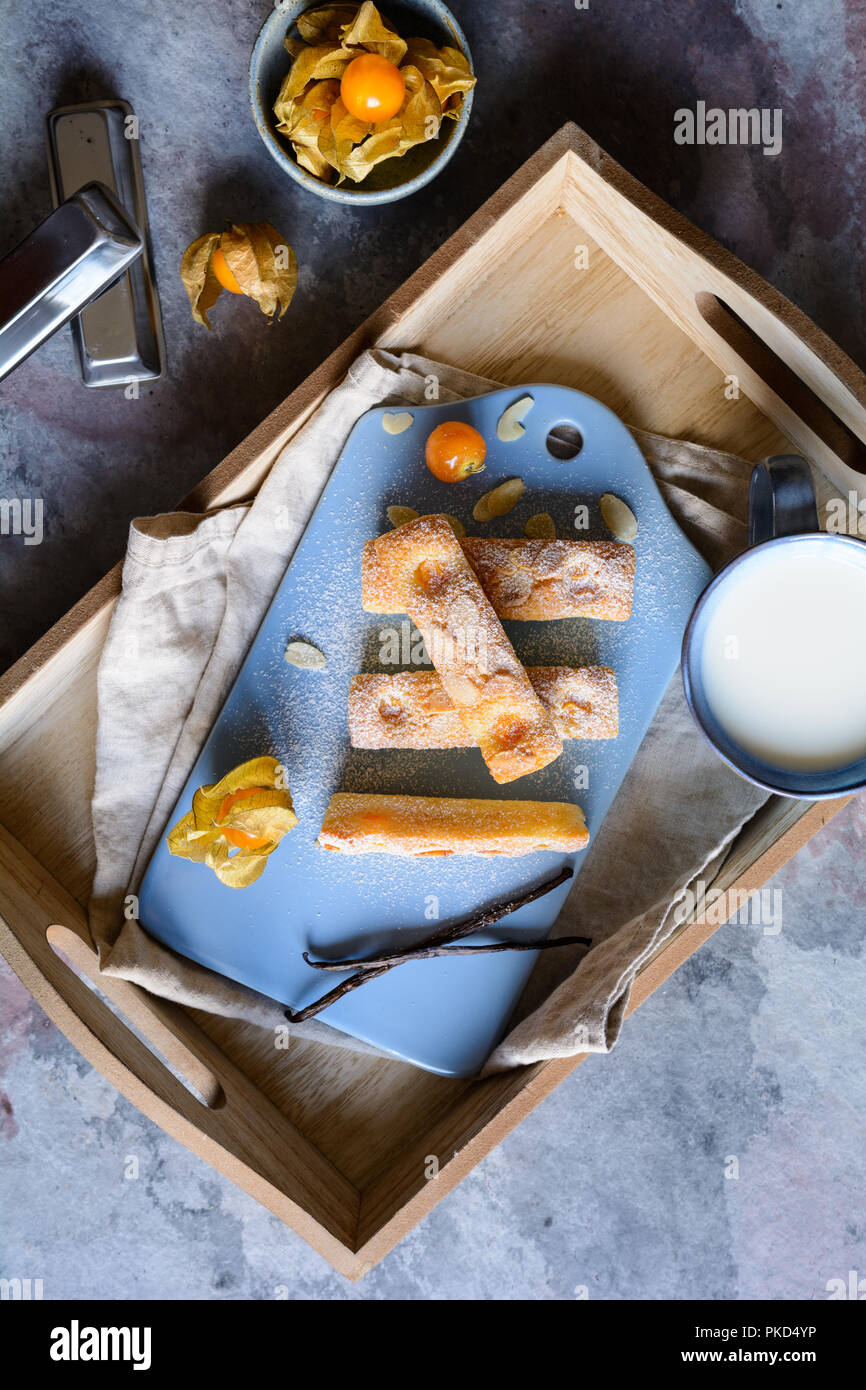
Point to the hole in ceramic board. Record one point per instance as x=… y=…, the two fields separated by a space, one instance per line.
x=564 y=442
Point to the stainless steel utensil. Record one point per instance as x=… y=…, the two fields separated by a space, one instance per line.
x=70 y=258
x=119 y=338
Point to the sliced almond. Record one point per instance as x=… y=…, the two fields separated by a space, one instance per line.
x=456 y=525
x=618 y=517
x=397 y=423
x=509 y=427
x=541 y=527
x=398 y=516
x=309 y=658
x=499 y=500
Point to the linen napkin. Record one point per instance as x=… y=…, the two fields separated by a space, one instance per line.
x=195 y=589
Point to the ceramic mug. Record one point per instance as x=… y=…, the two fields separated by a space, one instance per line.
x=774 y=655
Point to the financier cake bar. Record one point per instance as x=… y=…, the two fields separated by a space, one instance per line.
x=432 y=581
x=529 y=580
x=412 y=709
x=372 y=823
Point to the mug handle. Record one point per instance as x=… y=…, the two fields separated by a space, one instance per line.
x=781 y=499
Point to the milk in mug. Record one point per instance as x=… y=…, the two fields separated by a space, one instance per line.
x=783 y=661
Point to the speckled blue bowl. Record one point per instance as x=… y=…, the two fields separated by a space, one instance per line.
x=393 y=178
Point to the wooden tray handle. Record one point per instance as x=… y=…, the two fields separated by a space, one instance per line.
x=156 y=1018
x=814 y=406
x=797 y=376
x=233 y=1126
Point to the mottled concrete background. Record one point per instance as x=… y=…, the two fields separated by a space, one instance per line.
x=755 y=1050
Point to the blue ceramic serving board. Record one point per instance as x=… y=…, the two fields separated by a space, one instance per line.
x=444 y=1015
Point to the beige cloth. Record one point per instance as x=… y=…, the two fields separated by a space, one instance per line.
x=195 y=589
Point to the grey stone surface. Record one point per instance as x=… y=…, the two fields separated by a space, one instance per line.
x=754 y=1051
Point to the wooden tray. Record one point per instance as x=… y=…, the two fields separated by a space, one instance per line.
x=337 y=1144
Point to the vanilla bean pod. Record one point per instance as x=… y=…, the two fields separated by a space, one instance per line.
x=339 y=992
x=427 y=953
x=478 y=921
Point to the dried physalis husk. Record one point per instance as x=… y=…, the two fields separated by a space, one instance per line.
x=421 y=112
x=541 y=527
x=236 y=823
x=311 y=158
x=323 y=24
x=302 y=119
x=446 y=69
x=370 y=31
x=261 y=261
x=508 y=427
x=313 y=65
x=338 y=135
x=618 y=517
x=397 y=423
x=382 y=143
x=499 y=500
x=399 y=516
x=199 y=281
x=456 y=524
x=305 y=655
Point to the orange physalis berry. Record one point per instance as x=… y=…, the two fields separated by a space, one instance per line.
x=373 y=90
x=228 y=801
x=220 y=268
x=454 y=450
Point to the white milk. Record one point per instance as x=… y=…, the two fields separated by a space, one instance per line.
x=784 y=657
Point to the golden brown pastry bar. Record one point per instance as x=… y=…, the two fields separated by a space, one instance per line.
x=370 y=823
x=530 y=579
x=434 y=583
x=412 y=709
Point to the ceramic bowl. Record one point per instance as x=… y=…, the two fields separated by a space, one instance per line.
x=393 y=178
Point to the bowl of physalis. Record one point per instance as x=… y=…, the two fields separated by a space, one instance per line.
x=361 y=104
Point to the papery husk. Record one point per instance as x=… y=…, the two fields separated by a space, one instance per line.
x=346 y=126
x=250 y=250
x=199 y=835
x=384 y=143
x=323 y=25
x=311 y=159
x=421 y=106
x=199 y=281
x=339 y=135
x=301 y=118
x=446 y=69
x=369 y=31
x=314 y=65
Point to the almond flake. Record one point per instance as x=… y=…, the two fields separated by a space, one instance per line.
x=398 y=516
x=541 y=527
x=509 y=427
x=396 y=424
x=618 y=517
x=499 y=500
x=307 y=657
